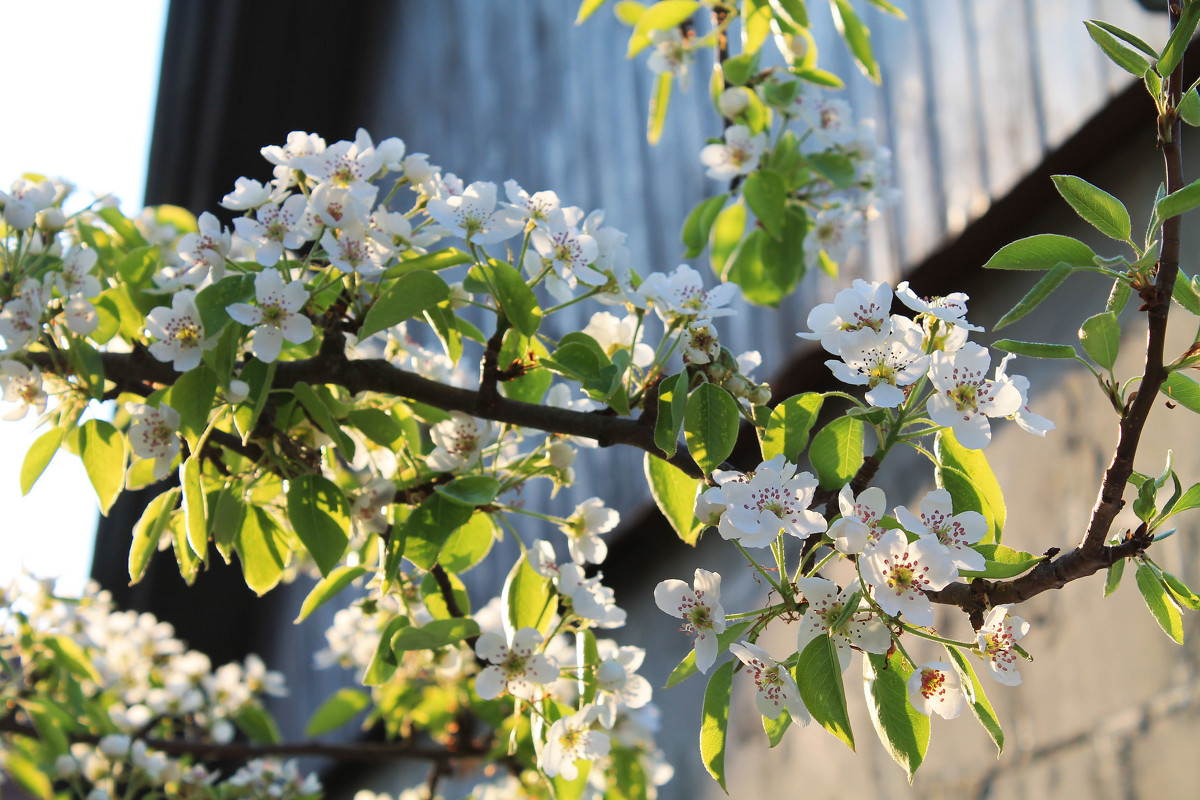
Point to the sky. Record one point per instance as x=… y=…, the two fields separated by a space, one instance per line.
x=81 y=85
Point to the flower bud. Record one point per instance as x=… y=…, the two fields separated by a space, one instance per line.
x=115 y=745
x=761 y=395
x=562 y=455
x=239 y=390
x=65 y=766
x=51 y=220
x=738 y=386
x=610 y=675
x=416 y=168
x=733 y=101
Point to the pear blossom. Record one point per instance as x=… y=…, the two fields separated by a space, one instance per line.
x=356 y=248
x=458 y=441
x=955 y=532
x=299 y=145
x=24 y=200
x=81 y=316
x=682 y=294
x=21 y=318
x=514 y=666
x=965 y=398
x=882 y=362
x=936 y=688
x=417 y=169
x=614 y=334
x=900 y=572
x=738 y=156
x=583 y=529
x=997 y=640
x=952 y=308
x=275 y=228
x=572 y=739
x=369 y=510
x=539 y=209
x=1025 y=419
x=276 y=317
x=700 y=343
x=179 y=331
x=830 y=119
x=399 y=234
x=22 y=386
x=837 y=615
x=859 y=525
x=473 y=215
x=618 y=685
x=833 y=232
x=671 y=55
x=699 y=608
x=206 y=249
x=777 y=688
x=776 y=498
x=589 y=598
x=76 y=278
x=344 y=164
x=861 y=306
x=247 y=194
x=564 y=254
x=154 y=434
x=337 y=207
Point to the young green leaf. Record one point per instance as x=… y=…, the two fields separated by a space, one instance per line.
x=38 y=457
x=586 y=9
x=660 y=100
x=471 y=490
x=675 y=495
x=1112 y=577
x=789 y=426
x=529 y=598
x=263 y=550
x=714 y=722
x=468 y=545
x=776 y=728
x=903 y=731
x=341 y=707
x=1126 y=37
x=1100 y=336
x=699 y=223
x=433 y=635
x=1159 y=601
x=1183 y=594
x=1035 y=349
x=672 y=404
x=148 y=531
x=1100 y=209
x=1003 y=562
x=791 y=12
x=687 y=667
x=977 y=700
x=1040 y=291
x=764 y=193
x=1177 y=202
x=660 y=16
x=430 y=525
x=327 y=588
x=819 y=676
x=1043 y=251
x=856 y=36
x=319 y=514
x=974 y=464
x=727 y=230
x=1181 y=36
x=837 y=452
x=1182 y=390
x=710 y=426
x=517 y=299
x=1124 y=57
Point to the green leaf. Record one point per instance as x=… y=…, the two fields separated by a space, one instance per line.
x=837 y=168
x=1100 y=209
x=675 y=495
x=139 y=265
x=88 y=366
x=429 y=527
x=148 y=530
x=471 y=490
x=384 y=662
x=327 y=588
x=1184 y=293
x=740 y=68
x=903 y=731
x=1183 y=594
x=1002 y=562
x=1178 y=202
x=258 y=724
x=699 y=223
x=974 y=464
x=437 y=260
x=1127 y=37
x=529 y=598
x=1118 y=296
x=710 y=426
x=819 y=676
x=820 y=77
x=320 y=515
x=69 y=655
x=857 y=37
x=765 y=194
x=586 y=9
x=628 y=11
x=102 y=450
x=726 y=234
x=837 y=452
x=38 y=457
x=435 y=634
x=192 y=398
x=981 y=707
x=1124 y=57
x=1112 y=576
x=791 y=12
x=672 y=403
x=414 y=293
x=1100 y=336
x=660 y=16
x=263 y=550
x=1035 y=349
x=314 y=402
x=1189 y=108
x=1158 y=600
x=888 y=8
x=26 y=774
x=341 y=707
x=517 y=300
x=212 y=301
x=195 y=506
x=1182 y=390
x=378 y=425
x=660 y=101
x=789 y=426
x=1043 y=251
x=1172 y=53
x=714 y=722
x=1040 y=291
x=687 y=667
x=468 y=545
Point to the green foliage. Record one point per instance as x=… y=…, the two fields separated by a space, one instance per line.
x=714 y=722
x=710 y=426
x=837 y=452
x=902 y=729
x=819 y=676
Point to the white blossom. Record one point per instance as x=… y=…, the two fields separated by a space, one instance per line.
x=965 y=398
x=699 y=608
x=515 y=667
x=572 y=739
x=473 y=215
x=900 y=573
x=154 y=434
x=458 y=441
x=22 y=387
x=776 y=687
x=179 y=331
x=936 y=688
x=955 y=532
x=776 y=498
x=277 y=316
x=997 y=640
x=843 y=616
x=739 y=154
x=862 y=305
